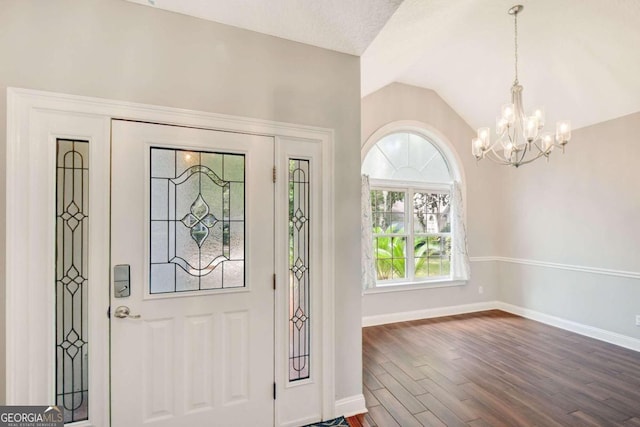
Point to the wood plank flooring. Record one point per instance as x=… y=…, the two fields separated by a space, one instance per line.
x=494 y=369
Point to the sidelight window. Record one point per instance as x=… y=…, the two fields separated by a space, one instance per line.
x=299 y=270
x=72 y=293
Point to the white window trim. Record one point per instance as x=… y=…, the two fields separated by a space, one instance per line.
x=414 y=286
x=442 y=143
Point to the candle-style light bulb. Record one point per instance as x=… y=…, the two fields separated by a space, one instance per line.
x=484 y=135
x=501 y=125
x=563 y=132
x=539 y=113
x=508 y=150
x=509 y=113
x=476 y=148
x=531 y=128
x=546 y=140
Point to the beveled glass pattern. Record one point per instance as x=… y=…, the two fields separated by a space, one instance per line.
x=72 y=252
x=197 y=220
x=299 y=280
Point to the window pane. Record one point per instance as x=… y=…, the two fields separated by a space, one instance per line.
x=432 y=256
x=72 y=279
x=406 y=156
x=376 y=165
x=395 y=147
x=390 y=255
x=197 y=220
x=431 y=212
x=299 y=266
x=426 y=158
x=387 y=208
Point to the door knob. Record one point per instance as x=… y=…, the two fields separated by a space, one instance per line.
x=124 y=312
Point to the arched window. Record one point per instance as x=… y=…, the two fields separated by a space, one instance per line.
x=413 y=200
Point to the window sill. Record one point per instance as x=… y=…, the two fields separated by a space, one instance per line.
x=413 y=286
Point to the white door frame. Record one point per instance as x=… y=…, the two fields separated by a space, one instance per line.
x=34 y=120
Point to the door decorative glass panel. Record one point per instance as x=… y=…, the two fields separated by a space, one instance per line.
x=299 y=280
x=197 y=222
x=72 y=235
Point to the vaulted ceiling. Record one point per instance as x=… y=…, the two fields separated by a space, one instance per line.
x=580 y=59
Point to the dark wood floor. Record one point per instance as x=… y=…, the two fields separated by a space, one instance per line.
x=495 y=369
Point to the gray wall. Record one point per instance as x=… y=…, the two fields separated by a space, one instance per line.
x=119 y=50
x=582 y=208
x=403 y=102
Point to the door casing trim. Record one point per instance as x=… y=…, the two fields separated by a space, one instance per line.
x=29 y=372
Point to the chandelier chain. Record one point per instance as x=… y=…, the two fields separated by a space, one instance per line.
x=515 y=20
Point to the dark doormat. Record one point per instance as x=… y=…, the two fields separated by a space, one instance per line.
x=338 y=422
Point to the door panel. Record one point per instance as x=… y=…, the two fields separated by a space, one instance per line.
x=201 y=352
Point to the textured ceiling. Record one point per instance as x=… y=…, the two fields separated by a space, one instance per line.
x=346 y=26
x=580 y=59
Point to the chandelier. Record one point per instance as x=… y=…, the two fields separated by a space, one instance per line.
x=521 y=138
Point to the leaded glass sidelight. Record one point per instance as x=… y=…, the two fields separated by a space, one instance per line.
x=197 y=220
x=299 y=280
x=72 y=252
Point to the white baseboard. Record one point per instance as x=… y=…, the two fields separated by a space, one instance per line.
x=382 y=319
x=352 y=405
x=578 y=328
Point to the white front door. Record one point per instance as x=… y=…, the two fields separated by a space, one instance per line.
x=192 y=214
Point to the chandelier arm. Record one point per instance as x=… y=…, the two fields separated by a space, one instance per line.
x=560 y=146
x=491 y=154
x=524 y=154
x=495 y=158
x=530 y=160
x=492 y=149
x=540 y=150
